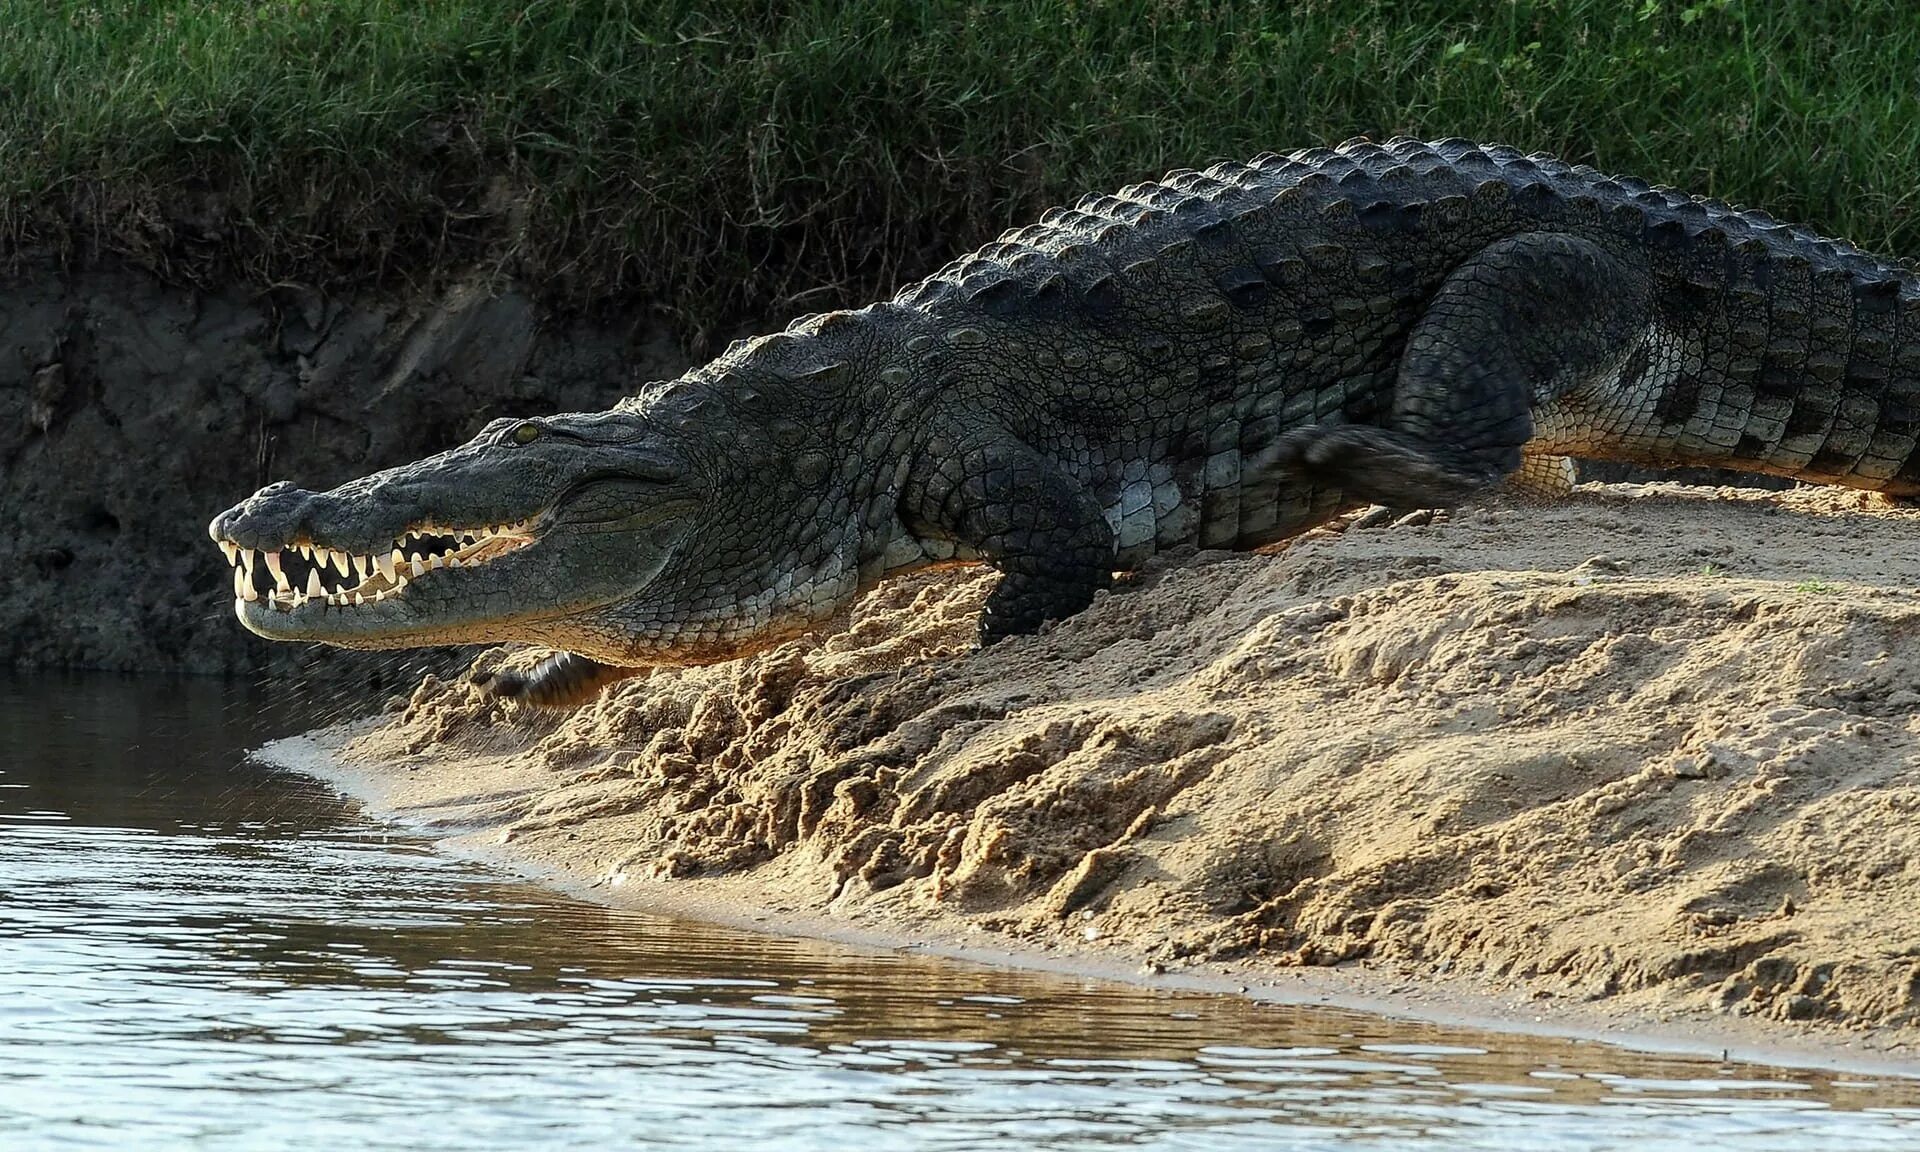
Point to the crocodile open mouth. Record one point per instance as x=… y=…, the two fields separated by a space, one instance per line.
x=303 y=570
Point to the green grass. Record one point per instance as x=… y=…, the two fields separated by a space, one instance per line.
x=715 y=160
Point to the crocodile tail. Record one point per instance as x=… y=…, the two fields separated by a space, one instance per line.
x=1796 y=358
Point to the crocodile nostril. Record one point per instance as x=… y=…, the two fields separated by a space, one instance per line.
x=272 y=496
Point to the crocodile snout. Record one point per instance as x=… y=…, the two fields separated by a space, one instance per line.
x=355 y=517
x=274 y=515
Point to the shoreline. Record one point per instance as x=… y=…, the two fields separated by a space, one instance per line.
x=1443 y=1003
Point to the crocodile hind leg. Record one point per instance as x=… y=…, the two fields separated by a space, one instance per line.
x=562 y=680
x=1519 y=323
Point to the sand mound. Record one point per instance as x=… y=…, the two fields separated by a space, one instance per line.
x=1653 y=744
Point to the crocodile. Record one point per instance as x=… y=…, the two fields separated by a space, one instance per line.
x=1219 y=359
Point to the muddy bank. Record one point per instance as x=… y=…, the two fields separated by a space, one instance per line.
x=131 y=411
x=1654 y=751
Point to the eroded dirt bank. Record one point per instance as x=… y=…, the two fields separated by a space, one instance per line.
x=132 y=411
x=1655 y=750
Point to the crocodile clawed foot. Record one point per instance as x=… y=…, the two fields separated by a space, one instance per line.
x=1373 y=464
x=502 y=685
x=563 y=680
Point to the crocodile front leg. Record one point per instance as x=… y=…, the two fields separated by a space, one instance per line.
x=1024 y=515
x=1516 y=325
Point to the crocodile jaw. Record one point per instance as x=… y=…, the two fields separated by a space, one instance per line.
x=405 y=594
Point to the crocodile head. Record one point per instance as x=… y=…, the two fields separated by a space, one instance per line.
x=574 y=531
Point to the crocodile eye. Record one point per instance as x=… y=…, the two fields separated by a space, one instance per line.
x=527 y=433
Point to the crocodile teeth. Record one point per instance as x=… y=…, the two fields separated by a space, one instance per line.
x=416 y=552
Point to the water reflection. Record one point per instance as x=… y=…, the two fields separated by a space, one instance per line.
x=199 y=952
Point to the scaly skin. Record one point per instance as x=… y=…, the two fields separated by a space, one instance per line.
x=1221 y=359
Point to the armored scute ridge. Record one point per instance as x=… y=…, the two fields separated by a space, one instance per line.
x=1220 y=359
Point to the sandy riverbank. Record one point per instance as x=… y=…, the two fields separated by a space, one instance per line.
x=1648 y=755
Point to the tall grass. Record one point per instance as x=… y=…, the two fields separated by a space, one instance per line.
x=719 y=158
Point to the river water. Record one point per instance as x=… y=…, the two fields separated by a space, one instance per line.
x=200 y=952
